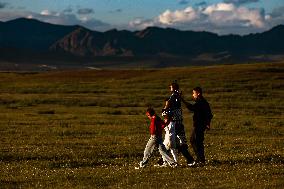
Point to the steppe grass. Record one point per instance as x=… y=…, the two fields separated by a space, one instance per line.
x=88 y=129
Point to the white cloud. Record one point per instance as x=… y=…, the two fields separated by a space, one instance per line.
x=229 y=14
x=30 y=17
x=49 y=13
x=220 y=7
x=139 y=23
x=45 y=12
x=222 y=18
x=185 y=15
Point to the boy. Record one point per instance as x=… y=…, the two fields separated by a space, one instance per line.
x=155 y=140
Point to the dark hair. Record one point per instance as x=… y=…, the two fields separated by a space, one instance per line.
x=151 y=111
x=175 y=86
x=198 y=89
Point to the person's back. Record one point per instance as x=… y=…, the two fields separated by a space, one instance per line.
x=173 y=104
x=156 y=126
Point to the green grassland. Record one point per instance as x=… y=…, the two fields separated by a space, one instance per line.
x=88 y=129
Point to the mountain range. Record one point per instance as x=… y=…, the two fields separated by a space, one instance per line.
x=35 y=36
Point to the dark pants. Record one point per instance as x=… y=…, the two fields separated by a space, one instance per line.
x=182 y=143
x=196 y=140
x=183 y=149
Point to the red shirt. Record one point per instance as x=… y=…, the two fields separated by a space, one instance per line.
x=156 y=126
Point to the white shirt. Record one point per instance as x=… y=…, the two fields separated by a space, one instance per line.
x=170 y=136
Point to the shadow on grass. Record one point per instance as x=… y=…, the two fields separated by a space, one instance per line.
x=69 y=161
x=250 y=160
x=66 y=161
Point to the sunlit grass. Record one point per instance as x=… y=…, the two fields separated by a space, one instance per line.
x=88 y=129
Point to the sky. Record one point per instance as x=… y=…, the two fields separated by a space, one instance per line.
x=217 y=16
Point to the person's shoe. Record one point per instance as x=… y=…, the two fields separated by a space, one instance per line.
x=161 y=165
x=174 y=165
x=192 y=164
x=141 y=165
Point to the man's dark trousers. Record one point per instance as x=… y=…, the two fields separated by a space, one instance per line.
x=196 y=140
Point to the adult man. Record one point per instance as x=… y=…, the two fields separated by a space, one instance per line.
x=201 y=121
x=173 y=104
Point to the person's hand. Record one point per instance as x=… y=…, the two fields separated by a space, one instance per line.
x=166 y=120
x=208 y=127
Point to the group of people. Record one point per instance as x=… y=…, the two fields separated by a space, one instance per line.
x=175 y=138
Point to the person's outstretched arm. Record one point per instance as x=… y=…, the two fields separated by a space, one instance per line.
x=187 y=104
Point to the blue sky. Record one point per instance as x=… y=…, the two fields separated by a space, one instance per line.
x=218 y=16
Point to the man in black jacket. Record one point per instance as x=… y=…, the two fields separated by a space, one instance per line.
x=201 y=121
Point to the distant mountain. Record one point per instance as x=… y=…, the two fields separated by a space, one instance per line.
x=175 y=42
x=29 y=34
x=154 y=41
x=271 y=41
x=91 y=43
x=149 y=42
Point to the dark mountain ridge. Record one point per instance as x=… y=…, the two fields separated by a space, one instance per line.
x=33 y=35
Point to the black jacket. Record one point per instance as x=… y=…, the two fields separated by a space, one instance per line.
x=202 y=112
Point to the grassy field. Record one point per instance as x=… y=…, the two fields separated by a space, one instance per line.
x=88 y=129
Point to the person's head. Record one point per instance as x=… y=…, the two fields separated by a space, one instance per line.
x=167 y=114
x=150 y=112
x=174 y=86
x=196 y=92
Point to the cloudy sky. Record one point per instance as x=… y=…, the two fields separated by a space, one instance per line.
x=218 y=16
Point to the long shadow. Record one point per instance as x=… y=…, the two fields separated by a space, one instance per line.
x=66 y=161
x=69 y=161
x=276 y=159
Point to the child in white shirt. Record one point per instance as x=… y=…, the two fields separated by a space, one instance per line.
x=170 y=136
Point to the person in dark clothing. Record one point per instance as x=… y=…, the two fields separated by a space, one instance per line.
x=202 y=116
x=173 y=104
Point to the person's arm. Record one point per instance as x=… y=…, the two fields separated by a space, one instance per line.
x=209 y=116
x=188 y=105
x=167 y=104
